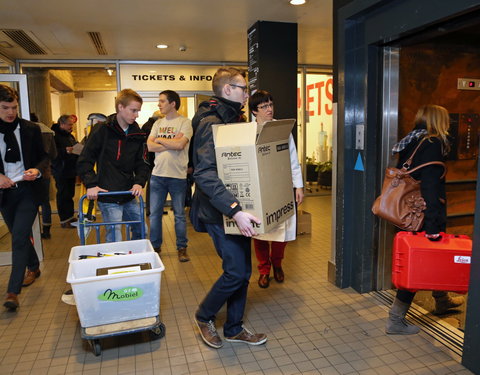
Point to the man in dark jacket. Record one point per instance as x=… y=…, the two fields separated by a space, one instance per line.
x=22 y=162
x=48 y=138
x=118 y=148
x=210 y=202
x=64 y=169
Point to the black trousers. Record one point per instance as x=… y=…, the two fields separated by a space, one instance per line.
x=65 y=193
x=18 y=209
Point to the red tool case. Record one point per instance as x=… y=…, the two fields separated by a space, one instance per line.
x=421 y=264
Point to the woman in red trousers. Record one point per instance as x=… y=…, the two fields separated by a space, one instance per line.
x=270 y=247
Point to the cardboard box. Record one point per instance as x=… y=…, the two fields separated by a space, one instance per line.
x=304 y=222
x=253 y=161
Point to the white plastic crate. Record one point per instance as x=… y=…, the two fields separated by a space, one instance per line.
x=116 y=298
x=135 y=246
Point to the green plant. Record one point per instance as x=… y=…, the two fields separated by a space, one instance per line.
x=323 y=167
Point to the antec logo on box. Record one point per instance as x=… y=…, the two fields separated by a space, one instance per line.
x=231 y=155
x=264 y=149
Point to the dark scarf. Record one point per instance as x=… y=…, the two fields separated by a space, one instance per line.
x=12 y=155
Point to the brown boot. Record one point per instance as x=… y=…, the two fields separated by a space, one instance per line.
x=264 y=281
x=445 y=302
x=182 y=255
x=278 y=274
x=11 y=301
x=30 y=277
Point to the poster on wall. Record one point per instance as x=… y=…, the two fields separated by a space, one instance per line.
x=319 y=116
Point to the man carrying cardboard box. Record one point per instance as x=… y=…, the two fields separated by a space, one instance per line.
x=212 y=200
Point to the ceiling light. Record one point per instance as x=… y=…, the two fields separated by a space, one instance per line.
x=109 y=71
x=297 y=2
x=162 y=46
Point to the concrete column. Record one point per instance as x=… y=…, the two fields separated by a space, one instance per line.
x=39 y=94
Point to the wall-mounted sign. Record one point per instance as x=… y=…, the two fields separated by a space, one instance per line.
x=167 y=77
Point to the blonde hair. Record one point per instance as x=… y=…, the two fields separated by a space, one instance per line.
x=437 y=122
x=126 y=96
x=224 y=76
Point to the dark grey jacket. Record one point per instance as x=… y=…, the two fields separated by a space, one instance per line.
x=211 y=199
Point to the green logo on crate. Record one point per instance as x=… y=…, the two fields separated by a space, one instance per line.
x=123 y=294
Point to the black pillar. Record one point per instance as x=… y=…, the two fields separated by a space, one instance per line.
x=272 y=64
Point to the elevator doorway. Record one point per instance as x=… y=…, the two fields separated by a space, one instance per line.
x=427 y=69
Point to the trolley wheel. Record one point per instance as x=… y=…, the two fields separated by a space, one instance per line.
x=158 y=332
x=96 y=347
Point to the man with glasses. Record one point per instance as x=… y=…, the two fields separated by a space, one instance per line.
x=210 y=202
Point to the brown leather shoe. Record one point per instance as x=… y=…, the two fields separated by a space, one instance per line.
x=209 y=333
x=11 y=302
x=182 y=255
x=278 y=274
x=248 y=337
x=30 y=277
x=264 y=281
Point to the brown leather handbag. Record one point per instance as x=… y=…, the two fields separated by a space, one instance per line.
x=401 y=202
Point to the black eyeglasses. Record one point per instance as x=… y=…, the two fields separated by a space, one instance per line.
x=265 y=106
x=244 y=88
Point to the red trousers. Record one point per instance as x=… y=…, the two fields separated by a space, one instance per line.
x=266 y=257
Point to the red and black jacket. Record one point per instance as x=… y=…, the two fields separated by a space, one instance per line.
x=120 y=158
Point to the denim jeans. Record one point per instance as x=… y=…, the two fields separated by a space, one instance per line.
x=231 y=287
x=159 y=187
x=114 y=212
x=45 y=202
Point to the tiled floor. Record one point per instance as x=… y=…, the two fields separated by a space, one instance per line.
x=313 y=327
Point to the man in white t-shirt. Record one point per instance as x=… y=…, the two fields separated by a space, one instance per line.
x=169 y=139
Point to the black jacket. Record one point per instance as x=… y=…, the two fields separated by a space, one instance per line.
x=120 y=158
x=64 y=165
x=211 y=198
x=432 y=186
x=33 y=153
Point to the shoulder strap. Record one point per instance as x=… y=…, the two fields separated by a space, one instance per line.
x=407 y=164
x=427 y=164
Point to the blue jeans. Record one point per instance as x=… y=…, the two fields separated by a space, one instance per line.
x=115 y=212
x=159 y=187
x=45 y=202
x=232 y=285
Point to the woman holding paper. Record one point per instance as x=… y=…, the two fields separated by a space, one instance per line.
x=270 y=247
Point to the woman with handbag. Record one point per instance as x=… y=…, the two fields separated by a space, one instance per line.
x=270 y=247
x=430 y=135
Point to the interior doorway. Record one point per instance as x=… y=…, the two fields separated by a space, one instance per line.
x=429 y=68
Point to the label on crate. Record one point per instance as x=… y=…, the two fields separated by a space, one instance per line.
x=461 y=259
x=123 y=294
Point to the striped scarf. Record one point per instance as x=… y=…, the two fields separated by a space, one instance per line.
x=417 y=133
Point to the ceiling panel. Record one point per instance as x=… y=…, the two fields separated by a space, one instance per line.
x=211 y=30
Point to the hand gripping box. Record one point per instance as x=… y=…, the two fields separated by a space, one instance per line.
x=253 y=161
x=421 y=264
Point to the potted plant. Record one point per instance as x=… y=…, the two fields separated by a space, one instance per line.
x=325 y=174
